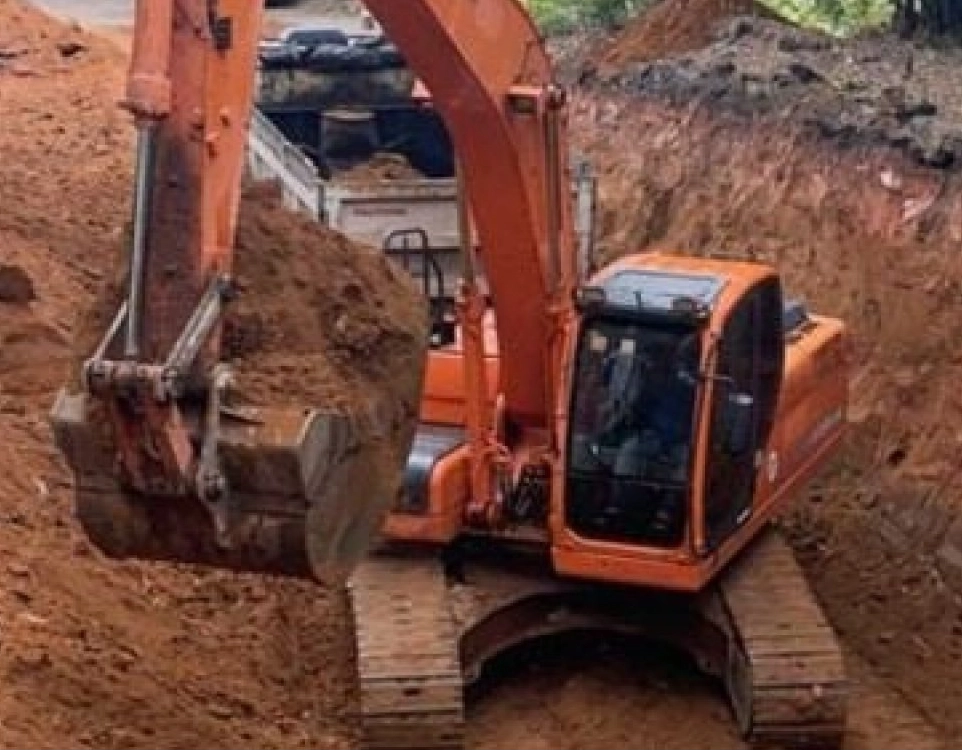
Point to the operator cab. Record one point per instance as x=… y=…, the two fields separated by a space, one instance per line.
x=632 y=429
x=648 y=349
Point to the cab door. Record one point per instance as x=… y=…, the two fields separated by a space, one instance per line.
x=748 y=373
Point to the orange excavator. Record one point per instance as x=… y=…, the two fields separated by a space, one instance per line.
x=592 y=453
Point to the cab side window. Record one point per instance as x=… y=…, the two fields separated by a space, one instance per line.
x=749 y=366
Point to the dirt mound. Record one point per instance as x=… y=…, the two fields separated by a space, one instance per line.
x=382 y=166
x=671 y=27
x=346 y=324
x=323 y=322
x=872 y=90
x=317 y=319
x=64 y=153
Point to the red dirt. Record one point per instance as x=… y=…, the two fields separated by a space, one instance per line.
x=382 y=166
x=670 y=27
x=319 y=319
x=107 y=654
x=311 y=312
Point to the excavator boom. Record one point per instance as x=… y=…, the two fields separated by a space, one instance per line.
x=490 y=78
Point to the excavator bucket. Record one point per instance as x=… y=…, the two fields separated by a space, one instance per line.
x=307 y=491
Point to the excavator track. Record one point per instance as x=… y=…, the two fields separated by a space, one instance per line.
x=409 y=668
x=786 y=675
x=421 y=636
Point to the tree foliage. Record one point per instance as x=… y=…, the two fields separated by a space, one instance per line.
x=938 y=17
x=563 y=15
x=839 y=17
x=834 y=16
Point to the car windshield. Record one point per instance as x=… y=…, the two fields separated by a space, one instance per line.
x=634 y=401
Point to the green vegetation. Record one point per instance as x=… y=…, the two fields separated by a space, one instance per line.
x=838 y=17
x=833 y=16
x=563 y=15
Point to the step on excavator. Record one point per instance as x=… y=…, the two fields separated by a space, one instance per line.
x=601 y=452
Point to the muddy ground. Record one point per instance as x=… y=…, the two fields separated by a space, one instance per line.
x=693 y=154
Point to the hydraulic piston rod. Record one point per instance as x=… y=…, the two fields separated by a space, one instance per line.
x=138 y=251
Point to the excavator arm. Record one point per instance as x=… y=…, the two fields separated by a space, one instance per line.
x=190 y=89
x=190 y=92
x=157 y=378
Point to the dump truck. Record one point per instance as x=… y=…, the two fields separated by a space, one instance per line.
x=332 y=99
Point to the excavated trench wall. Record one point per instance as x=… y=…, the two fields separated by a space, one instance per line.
x=751 y=148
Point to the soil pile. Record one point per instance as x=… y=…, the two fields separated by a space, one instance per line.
x=323 y=322
x=102 y=653
x=64 y=149
x=838 y=163
x=319 y=319
x=670 y=27
x=872 y=90
x=379 y=168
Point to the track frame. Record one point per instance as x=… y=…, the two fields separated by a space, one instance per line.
x=427 y=625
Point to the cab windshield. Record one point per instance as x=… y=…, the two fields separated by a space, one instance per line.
x=631 y=429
